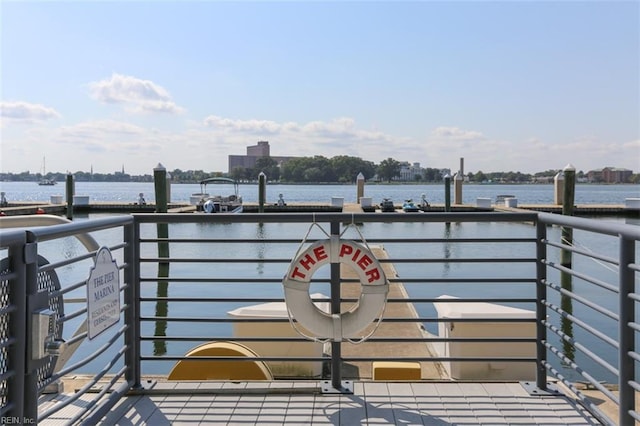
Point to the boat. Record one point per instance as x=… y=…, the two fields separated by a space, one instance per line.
x=409 y=206
x=47 y=182
x=231 y=203
x=44 y=181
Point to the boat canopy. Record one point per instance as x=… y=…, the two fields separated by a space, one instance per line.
x=218 y=180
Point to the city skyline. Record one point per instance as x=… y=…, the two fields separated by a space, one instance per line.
x=509 y=86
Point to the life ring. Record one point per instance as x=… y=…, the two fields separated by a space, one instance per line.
x=335 y=326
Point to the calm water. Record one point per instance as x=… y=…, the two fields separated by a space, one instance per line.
x=128 y=192
x=597 y=194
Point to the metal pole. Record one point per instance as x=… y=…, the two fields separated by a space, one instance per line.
x=566 y=279
x=541 y=310
x=31 y=291
x=626 y=335
x=336 y=347
x=132 y=299
x=70 y=190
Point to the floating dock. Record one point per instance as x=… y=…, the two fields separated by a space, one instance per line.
x=33 y=207
x=385 y=350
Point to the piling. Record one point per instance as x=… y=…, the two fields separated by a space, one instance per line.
x=70 y=192
x=447 y=193
x=558 y=188
x=160 y=184
x=457 y=181
x=262 y=191
x=566 y=282
x=359 y=187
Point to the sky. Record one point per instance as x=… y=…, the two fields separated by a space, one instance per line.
x=509 y=86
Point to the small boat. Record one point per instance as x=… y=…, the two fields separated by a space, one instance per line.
x=47 y=182
x=44 y=181
x=231 y=203
x=387 y=206
x=409 y=206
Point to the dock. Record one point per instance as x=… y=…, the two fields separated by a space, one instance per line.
x=363 y=370
x=34 y=207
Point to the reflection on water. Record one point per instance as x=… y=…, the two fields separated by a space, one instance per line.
x=162 y=311
x=162 y=308
x=261 y=234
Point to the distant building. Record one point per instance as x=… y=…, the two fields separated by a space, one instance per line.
x=254 y=152
x=610 y=175
x=410 y=172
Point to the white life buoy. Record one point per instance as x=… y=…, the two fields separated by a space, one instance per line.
x=335 y=326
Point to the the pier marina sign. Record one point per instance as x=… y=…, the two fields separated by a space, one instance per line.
x=103 y=294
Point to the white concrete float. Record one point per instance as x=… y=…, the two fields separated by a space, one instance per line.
x=366 y=201
x=278 y=310
x=80 y=200
x=504 y=370
x=483 y=203
x=632 y=203
x=511 y=202
x=337 y=202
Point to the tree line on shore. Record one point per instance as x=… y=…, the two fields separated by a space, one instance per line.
x=317 y=169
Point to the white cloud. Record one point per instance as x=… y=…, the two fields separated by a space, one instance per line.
x=249 y=126
x=456 y=133
x=135 y=94
x=27 y=112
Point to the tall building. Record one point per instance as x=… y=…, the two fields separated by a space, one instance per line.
x=260 y=150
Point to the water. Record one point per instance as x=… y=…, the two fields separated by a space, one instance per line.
x=127 y=192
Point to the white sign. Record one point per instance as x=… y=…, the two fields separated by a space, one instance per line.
x=103 y=294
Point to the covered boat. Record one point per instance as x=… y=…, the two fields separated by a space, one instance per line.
x=231 y=203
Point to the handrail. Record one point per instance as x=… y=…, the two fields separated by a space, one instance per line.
x=28 y=221
x=530 y=252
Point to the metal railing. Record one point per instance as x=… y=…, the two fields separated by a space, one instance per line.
x=178 y=290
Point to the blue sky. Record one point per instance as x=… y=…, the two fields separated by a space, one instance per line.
x=522 y=86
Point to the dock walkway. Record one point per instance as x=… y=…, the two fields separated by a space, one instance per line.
x=363 y=370
x=302 y=403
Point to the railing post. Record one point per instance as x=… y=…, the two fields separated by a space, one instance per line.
x=132 y=300
x=17 y=326
x=336 y=347
x=541 y=310
x=30 y=259
x=626 y=335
